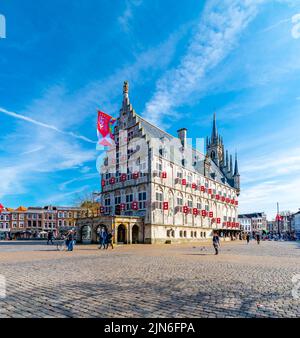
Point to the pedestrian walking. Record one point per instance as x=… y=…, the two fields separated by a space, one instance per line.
x=70 y=241
x=102 y=238
x=109 y=240
x=50 y=237
x=258 y=238
x=248 y=238
x=216 y=243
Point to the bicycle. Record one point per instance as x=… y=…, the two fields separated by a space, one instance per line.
x=61 y=244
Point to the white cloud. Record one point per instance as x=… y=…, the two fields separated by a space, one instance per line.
x=44 y=125
x=65 y=184
x=264 y=196
x=62 y=197
x=269 y=179
x=126 y=17
x=276 y=24
x=296 y=27
x=40 y=142
x=221 y=25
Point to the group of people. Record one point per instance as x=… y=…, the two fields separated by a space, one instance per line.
x=69 y=239
x=257 y=238
x=105 y=239
x=216 y=241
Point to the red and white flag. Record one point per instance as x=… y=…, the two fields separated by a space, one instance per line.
x=105 y=126
x=1 y=208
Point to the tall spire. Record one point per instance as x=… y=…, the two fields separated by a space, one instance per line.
x=227 y=162
x=214 y=134
x=223 y=154
x=236 y=169
x=236 y=176
x=231 y=166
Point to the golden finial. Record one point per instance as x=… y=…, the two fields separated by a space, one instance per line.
x=125 y=87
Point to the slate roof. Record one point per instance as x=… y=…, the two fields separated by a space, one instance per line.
x=151 y=131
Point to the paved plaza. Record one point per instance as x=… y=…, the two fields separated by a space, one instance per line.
x=151 y=281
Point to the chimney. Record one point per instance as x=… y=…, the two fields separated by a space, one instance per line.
x=182 y=135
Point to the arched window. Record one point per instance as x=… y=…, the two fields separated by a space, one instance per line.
x=159 y=199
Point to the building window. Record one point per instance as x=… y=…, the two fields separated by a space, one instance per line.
x=159 y=166
x=179 y=201
x=142 y=200
x=159 y=200
x=129 y=200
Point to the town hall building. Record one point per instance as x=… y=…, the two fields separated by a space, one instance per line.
x=156 y=188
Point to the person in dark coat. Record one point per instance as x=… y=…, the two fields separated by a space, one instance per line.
x=216 y=243
x=109 y=240
x=258 y=238
x=248 y=238
x=50 y=237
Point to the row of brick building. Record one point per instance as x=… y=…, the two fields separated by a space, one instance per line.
x=36 y=222
x=285 y=224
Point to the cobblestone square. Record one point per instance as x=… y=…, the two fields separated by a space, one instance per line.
x=175 y=281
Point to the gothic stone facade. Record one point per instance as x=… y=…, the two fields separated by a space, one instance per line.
x=179 y=193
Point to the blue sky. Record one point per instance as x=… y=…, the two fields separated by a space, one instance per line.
x=61 y=60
